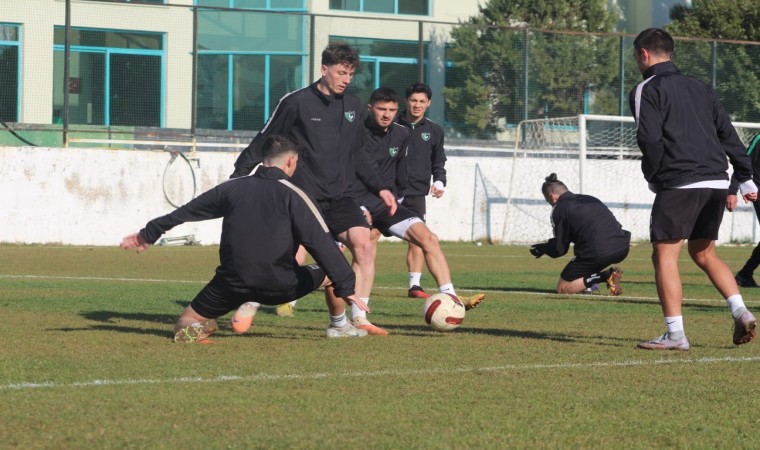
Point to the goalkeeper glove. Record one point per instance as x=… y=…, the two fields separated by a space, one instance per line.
x=538 y=250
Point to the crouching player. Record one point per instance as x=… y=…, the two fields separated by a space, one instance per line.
x=266 y=218
x=599 y=240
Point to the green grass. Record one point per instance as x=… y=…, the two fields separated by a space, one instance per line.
x=86 y=361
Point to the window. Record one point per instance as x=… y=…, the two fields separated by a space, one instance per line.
x=141 y=1
x=247 y=61
x=115 y=78
x=387 y=63
x=416 y=7
x=9 y=72
x=297 y=5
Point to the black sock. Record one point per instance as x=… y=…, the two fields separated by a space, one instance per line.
x=592 y=279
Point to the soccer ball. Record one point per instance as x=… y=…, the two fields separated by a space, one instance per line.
x=443 y=312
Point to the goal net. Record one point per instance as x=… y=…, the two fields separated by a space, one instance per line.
x=592 y=154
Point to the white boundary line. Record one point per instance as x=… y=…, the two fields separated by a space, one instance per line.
x=385 y=288
x=382 y=373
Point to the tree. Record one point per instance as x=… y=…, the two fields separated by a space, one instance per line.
x=738 y=65
x=490 y=52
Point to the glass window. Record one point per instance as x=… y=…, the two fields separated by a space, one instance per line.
x=115 y=78
x=250 y=31
x=386 y=63
x=135 y=94
x=380 y=6
x=9 y=72
x=416 y=7
x=212 y=100
x=299 y=5
x=114 y=39
x=238 y=92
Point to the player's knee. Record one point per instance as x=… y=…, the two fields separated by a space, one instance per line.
x=428 y=241
x=363 y=250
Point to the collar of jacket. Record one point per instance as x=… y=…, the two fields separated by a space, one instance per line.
x=663 y=68
x=400 y=119
x=374 y=128
x=270 y=173
x=326 y=99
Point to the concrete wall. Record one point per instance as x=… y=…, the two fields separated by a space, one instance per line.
x=97 y=196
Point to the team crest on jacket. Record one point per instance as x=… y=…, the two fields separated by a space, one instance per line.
x=393 y=151
x=425 y=136
x=350 y=116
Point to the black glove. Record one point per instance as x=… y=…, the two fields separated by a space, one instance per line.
x=538 y=250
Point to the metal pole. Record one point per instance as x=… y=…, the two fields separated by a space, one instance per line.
x=194 y=88
x=581 y=150
x=66 y=75
x=312 y=38
x=621 y=59
x=715 y=64
x=420 y=53
x=527 y=60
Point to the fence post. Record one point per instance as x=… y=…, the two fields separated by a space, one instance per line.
x=194 y=84
x=581 y=150
x=525 y=84
x=420 y=53
x=66 y=70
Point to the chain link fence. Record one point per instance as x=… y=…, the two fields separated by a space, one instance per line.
x=138 y=75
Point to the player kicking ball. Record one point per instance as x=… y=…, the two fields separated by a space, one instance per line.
x=385 y=143
x=599 y=239
x=265 y=218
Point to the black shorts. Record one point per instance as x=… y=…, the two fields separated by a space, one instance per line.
x=217 y=299
x=383 y=222
x=417 y=204
x=342 y=214
x=582 y=268
x=687 y=214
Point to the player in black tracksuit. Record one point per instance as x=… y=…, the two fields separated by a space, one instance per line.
x=266 y=218
x=325 y=120
x=385 y=143
x=426 y=159
x=744 y=277
x=599 y=239
x=686 y=139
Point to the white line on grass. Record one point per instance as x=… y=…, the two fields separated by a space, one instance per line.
x=380 y=373
x=383 y=288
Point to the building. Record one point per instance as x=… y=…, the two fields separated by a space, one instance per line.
x=132 y=65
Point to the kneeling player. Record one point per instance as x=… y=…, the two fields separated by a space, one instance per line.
x=599 y=239
x=265 y=219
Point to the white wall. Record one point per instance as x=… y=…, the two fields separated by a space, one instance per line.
x=96 y=196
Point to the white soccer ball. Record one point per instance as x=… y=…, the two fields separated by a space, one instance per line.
x=443 y=312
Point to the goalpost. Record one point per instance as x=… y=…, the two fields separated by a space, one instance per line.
x=593 y=154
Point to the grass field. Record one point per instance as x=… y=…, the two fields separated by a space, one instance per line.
x=86 y=361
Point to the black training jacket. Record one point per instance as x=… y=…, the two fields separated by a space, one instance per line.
x=683 y=131
x=426 y=156
x=386 y=151
x=328 y=129
x=586 y=222
x=265 y=219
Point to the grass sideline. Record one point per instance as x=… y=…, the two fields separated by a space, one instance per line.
x=86 y=360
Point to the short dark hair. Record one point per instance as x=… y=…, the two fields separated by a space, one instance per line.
x=416 y=88
x=656 y=40
x=552 y=184
x=277 y=145
x=383 y=94
x=338 y=52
